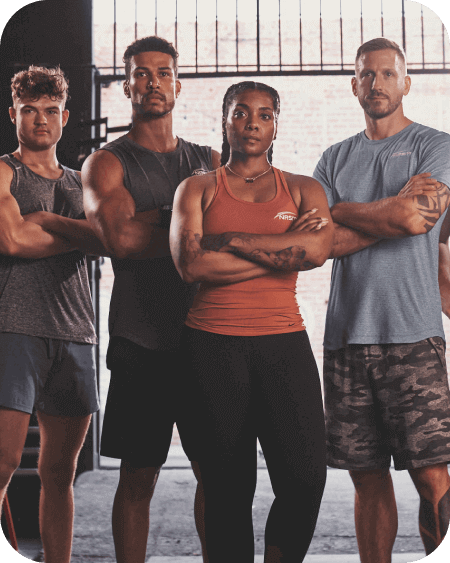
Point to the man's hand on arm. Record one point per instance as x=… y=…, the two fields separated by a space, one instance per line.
x=414 y=211
x=111 y=211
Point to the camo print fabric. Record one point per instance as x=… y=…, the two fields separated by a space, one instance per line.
x=387 y=400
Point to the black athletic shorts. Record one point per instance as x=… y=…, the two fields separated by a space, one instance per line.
x=141 y=404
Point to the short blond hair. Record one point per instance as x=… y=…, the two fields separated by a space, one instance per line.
x=379 y=44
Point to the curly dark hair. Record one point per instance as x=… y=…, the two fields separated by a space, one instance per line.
x=230 y=95
x=39 y=81
x=145 y=44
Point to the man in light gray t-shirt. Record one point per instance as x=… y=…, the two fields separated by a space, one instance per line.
x=385 y=379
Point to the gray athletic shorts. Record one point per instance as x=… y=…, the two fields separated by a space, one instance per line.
x=56 y=377
x=387 y=400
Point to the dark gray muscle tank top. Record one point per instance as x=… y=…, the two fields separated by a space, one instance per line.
x=47 y=297
x=149 y=300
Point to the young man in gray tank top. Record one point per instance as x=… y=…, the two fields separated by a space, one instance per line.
x=385 y=379
x=129 y=187
x=46 y=318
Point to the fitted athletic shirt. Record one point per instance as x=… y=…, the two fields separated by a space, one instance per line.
x=150 y=301
x=265 y=305
x=46 y=297
x=388 y=292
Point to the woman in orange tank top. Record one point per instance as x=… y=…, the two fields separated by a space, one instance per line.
x=244 y=232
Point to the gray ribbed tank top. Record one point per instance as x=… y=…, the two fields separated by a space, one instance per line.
x=47 y=297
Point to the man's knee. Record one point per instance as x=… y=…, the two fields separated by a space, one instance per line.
x=9 y=462
x=431 y=481
x=57 y=473
x=371 y=480
x=138 y=483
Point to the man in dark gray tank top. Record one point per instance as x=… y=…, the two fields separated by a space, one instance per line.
x=129 y=187
x=46 y=318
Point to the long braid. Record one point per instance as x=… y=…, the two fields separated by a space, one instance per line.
x=230 y=94
x=225 y=154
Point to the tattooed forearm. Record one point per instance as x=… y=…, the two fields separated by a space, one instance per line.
x=216 y=242
x=193 y=245
x=292 y=258
x=430 y=208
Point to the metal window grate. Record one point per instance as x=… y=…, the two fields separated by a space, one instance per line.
x=268 y=37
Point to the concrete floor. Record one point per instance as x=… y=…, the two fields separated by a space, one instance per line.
x=173 y=538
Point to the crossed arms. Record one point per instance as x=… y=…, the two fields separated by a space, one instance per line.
x=40 y=234
x=414 y=211
x=111 y=210
x=232 y=257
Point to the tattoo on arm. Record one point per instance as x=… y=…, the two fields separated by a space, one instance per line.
x=190 y=247
x=292 y=258
x=216 y=242
x=287 y=259
x=431 y=208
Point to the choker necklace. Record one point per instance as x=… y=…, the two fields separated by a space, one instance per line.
x=249 y=180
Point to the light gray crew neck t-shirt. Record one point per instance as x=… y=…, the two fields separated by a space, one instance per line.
x=388 y=292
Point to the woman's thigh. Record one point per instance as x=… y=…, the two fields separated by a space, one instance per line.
x=216 y=418
x=289 y=411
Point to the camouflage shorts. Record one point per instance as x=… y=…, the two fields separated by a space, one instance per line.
x=387 y=400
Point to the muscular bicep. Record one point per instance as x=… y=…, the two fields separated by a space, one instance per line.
x=22 y=238
x=313 y=197
x=10 y=217
x=107 y=203
x=11 y=220
x=106 y=200
x=186 y=228
x=12 y=224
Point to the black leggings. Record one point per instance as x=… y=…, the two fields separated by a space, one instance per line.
x=238 y=388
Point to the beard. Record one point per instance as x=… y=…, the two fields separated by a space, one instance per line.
x=380 y=112
x=141 y=108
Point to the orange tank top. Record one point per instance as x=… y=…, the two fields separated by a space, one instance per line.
x=265 y=305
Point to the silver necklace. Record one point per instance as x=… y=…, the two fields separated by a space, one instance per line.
x=249 y=180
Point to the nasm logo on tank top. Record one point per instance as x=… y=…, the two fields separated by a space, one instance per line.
x=286 y=216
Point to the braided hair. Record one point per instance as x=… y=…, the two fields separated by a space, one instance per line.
x=230 y=95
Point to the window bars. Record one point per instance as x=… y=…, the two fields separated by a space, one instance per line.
x=268 y=37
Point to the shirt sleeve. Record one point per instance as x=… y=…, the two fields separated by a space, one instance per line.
x=321 y=175
x=435 y=157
